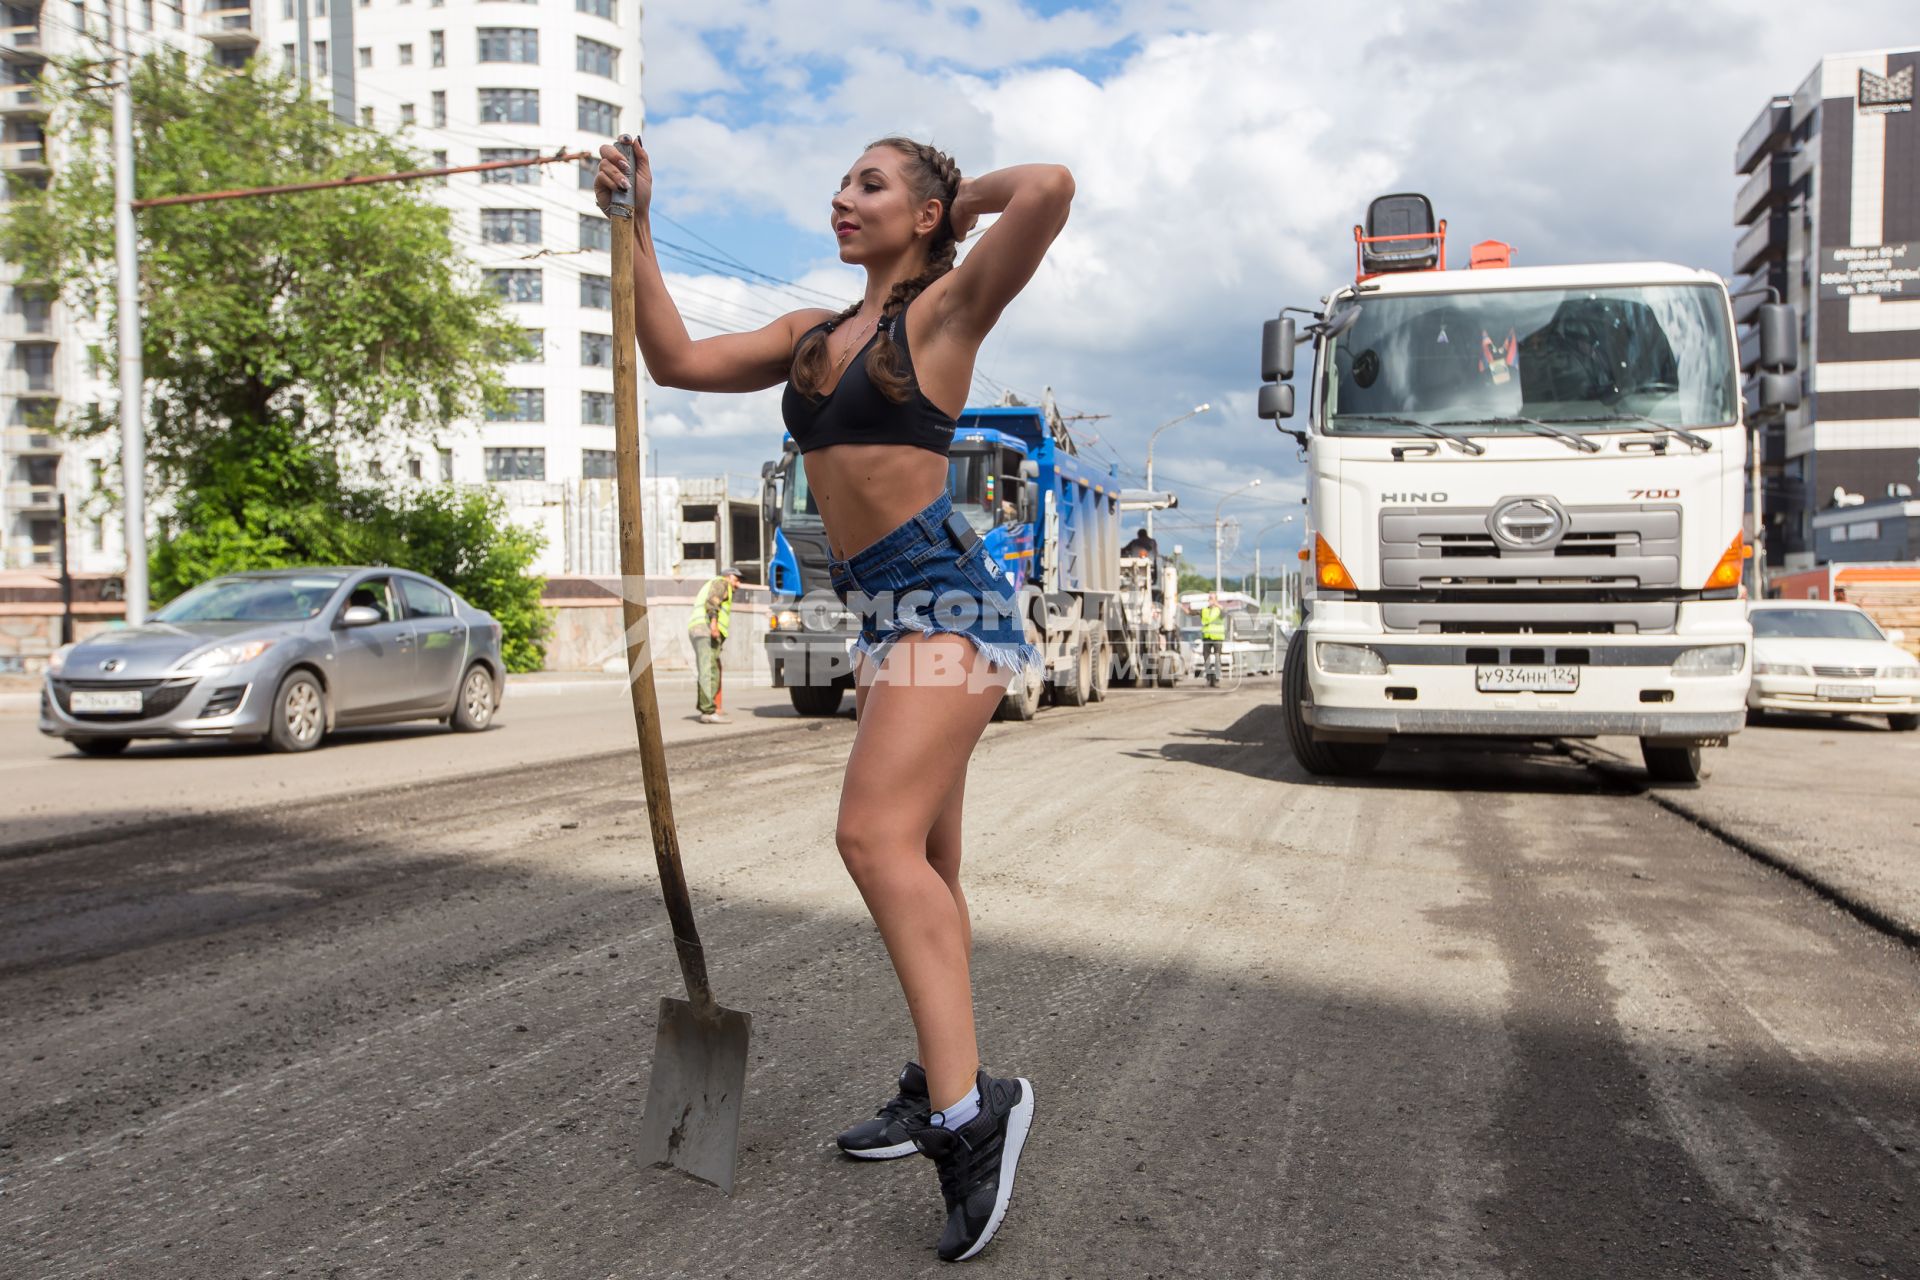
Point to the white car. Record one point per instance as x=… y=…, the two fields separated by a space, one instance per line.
x=1829 y=658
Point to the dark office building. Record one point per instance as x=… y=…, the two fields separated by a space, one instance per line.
x=1828 y=213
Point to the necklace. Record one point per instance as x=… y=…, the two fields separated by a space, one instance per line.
x=832 y=374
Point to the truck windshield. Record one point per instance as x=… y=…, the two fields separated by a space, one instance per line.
x=797 y=502
x=1587 y=359
x=970 y=485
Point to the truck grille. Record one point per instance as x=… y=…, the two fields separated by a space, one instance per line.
x=1591 y=583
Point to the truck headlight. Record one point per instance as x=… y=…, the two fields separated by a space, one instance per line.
x=1779 y=669
x=785 y=620
x=1711 y=660
x=1350 y=660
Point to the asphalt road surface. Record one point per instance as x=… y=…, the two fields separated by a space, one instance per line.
x=1494 y=1013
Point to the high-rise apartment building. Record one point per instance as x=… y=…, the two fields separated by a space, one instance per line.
x=463 y=81
x=1828 y=214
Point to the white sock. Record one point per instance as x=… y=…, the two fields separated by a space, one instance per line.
x=960 y=1112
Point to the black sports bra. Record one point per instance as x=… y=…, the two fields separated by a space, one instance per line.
x=855 y=412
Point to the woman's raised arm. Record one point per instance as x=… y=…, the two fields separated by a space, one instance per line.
x=728 y=362
x=1032 y=201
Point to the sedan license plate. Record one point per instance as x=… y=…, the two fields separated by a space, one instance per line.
x=1844 y=692
x=106 y=699
x=1526 y=679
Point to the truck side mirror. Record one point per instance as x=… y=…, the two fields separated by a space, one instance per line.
x=1276 y=351
x=1779 y=338
x=1779 y=391
x=1276 y=399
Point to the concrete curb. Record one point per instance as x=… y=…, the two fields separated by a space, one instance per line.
x=517 y=686
x=1610 y=765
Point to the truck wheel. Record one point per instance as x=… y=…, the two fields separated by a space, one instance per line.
x=1672 y=764
x=1903 y=723
x=1322 y=759
x=816 y=699
x=1022 y=700
x=1076 y=686
x=1102 y=669
x=1126 y=671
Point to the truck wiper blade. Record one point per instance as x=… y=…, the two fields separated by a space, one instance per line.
x=1539 y=428
x=1699 y=442
x=1427 y=429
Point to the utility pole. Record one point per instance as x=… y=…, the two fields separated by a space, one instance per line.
x=66 y=576
x=133 y=438
x=1196 y=410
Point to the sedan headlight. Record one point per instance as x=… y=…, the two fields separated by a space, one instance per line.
x=227 y=655
x=57 y=660
x=1351 y=660
x=1902 y=673
x=1779 y=669
x=1711 y=660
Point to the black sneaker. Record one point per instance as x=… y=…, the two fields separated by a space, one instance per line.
x=977 y=1162
x=886 y=1136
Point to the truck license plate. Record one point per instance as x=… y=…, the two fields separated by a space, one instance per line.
x=1844 y=692
x=1526 y=679
x=106 y=699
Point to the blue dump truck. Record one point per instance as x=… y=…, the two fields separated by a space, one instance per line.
x=1050 y=516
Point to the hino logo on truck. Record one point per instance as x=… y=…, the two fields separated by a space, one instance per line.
x=1413 y=497
x=1527 y=524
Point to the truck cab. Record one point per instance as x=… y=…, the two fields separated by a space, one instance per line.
x=1526 y=503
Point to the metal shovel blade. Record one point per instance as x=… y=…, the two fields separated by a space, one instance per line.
x=692 y=1121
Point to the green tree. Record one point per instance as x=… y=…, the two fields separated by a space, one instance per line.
x=280 y=331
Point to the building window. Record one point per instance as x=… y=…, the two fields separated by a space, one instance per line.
x=516 y=464
x=406 y=55
x=589 y=170
x=286 y=9
x=510 y=106
x=598 y=117
x=510 y=226
x=446 y=465
x=34 y=308
x=414 y=468
x=596 y=232
x=36 y=361
x=366 y=117
x=596 y=464
x=440 y=162
x=406 y=113
x=596 y=291
x=232 y=58
x=536 y=340
x=287 y=53
x=596 y=408
x=365 y=55
x=509 y=44
x=598 y=8
x=526 y=173
x=595 y=58
x=515 y=284
x=437 y=47
x=439 y=108
x=320 y=57
x=596 y=350
x=524 y=404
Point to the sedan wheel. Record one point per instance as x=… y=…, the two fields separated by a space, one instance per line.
x=299 y=713
x=475 y=709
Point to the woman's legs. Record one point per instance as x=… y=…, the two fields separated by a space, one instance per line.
x=920 y=716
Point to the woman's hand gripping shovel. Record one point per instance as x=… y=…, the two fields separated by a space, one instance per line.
x=692 y=1121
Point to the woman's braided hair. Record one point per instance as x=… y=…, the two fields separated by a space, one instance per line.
x=931 y=174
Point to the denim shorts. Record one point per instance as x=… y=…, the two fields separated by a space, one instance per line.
x=933 y=575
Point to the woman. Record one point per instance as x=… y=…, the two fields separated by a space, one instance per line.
x=873 y=395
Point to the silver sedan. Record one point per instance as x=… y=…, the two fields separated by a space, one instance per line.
x=282 y=656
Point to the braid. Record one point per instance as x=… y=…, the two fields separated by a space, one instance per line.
x=932 y=175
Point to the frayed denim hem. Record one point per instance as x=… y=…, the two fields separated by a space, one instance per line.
x=1014 y=658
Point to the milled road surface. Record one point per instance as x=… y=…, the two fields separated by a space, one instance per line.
x=1491 y=1014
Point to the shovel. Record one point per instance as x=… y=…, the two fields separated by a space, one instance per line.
x=692 y=1120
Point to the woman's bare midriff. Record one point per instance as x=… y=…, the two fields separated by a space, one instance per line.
x=866 y=491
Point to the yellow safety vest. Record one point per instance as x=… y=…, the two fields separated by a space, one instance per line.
x=1213 y=623
x=723 y=617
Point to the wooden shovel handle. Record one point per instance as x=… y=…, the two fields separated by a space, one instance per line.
x=633 y=599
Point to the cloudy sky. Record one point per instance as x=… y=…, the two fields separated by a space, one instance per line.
x=1223 y=150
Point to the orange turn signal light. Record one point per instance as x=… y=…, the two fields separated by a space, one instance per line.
x=1328 y=571
x=1728 y=572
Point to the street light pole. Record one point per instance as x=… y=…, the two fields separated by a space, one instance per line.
x=1196 y=410
x=1218 y=507
x=1258 y=583
x=133 y=438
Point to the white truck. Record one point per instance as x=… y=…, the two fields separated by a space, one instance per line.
x=1525 y=496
